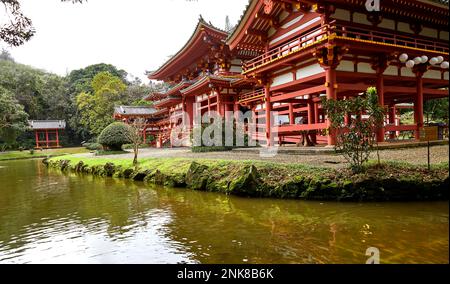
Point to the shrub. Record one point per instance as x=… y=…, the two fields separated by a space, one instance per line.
x=93 y=146
x=114 y=136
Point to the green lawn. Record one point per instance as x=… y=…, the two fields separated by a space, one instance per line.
x=13 y=155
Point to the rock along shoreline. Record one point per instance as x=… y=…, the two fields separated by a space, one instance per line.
x=391 y=182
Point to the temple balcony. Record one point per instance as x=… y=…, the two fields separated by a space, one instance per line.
x=253 y=96
x=364 y=40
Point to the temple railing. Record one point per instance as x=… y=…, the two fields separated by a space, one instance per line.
x=342 y=32
x=389 y=38
x=290 y=47
x=251 y=96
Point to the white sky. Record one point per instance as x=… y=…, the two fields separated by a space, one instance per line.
x=134 y=35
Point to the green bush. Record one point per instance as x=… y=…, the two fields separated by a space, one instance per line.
x=93 y=146
x=114 y=136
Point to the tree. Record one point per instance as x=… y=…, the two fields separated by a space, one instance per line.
x=80 y=81
x=19 y=29
x=436 y=110
x=13 y=118
x=6 y=56
x=355 y=122
x=135 y=136
x=228 y=26
x=96 y=109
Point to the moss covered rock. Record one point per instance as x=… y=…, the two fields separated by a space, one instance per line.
x=197 y=176
x=248 y=184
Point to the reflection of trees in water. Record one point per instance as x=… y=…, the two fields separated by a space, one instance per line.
x=291 y=231
x=216 y=228
x=32 y=197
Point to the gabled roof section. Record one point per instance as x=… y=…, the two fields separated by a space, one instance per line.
x=134 y=110
x=203 y=84
x=47 y=124
x=195 y=48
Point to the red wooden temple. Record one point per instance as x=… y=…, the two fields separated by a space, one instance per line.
x=47 y=132
x=285 y=55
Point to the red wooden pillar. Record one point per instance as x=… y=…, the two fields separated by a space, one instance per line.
x=330 y=75
x=316 y=113
x=268 y=114
x=312 y=119
x=37 y=138
x=291 y=114
x=418 y=105
x=219 y=104
x=57 y=138
x=189 y=111
x=380 y=92
x=46 y=137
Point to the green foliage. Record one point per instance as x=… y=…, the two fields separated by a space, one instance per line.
x=93 y=146
x=436 y=110
x=96 y=109
x=81 y=80
x=48 y=96
x=13 y=118
x=114 y=136
x=356 y=134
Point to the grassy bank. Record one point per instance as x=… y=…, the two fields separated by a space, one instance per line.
x=393 y=181
x=21 y=155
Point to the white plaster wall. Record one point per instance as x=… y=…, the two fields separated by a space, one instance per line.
x=365 y=68
x=404 y=27
x=361 y=19
x=282 y=79
x=407 y=72
x=309 y=71
x=432 y=74
x=391 y=70
x=341 y=14
x=346 y=65
x=387 y=24
x=429 y=32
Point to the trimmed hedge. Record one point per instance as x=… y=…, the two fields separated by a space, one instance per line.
x=114 y=136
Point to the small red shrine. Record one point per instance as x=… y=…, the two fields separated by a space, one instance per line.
x=47 y=132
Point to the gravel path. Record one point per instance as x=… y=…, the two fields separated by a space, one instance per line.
x=439 y=154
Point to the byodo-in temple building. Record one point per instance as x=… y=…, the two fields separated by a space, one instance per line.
x=285 y=55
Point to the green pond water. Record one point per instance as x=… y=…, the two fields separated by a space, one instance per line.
x=50 y=217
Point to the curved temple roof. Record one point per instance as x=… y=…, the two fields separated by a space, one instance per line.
x=432 y=12
x=192 y=50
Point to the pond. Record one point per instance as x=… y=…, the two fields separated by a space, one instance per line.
x=50 y=217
